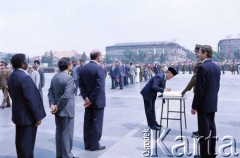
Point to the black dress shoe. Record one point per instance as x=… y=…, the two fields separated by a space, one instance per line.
x=99 y=148
x=154 y=127
x=8 y=106
x=195 y=134
x=2 y=107
x=196 y=156
x=158 y=125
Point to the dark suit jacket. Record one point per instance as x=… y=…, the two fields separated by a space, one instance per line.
x=112 y=71
x=207 y=86
x=42 y=78
x=120 y=70
x=92 y=84
x=154 y=85
x=27 y=105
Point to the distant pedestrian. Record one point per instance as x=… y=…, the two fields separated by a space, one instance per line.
x=4 y=75
x=42 y=76
x=34 y=75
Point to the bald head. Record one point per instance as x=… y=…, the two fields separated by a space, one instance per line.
x=96 y=55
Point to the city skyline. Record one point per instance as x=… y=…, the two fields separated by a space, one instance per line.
x=34 y=27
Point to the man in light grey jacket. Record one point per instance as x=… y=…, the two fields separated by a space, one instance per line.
x=62 y=104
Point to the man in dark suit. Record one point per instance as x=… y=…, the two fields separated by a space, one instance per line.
x=92 y=85
x=112 y=73
x=27 y=107
x=120 y=72
x=205 y=101
x=62 y=104
x=149 y=93
x=42 y=76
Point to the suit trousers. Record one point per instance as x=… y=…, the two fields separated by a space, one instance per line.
x=113 y=82
x=25 y=140
x=76 y=86
x=93 y=122
x=64 y=136
x=207 y=133
x=149 y=106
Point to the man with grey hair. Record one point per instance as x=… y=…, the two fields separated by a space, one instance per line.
x=92 y=86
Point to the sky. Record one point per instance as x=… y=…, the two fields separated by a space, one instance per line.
x=36 y=26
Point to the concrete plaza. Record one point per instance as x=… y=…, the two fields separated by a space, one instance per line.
x=124 y=122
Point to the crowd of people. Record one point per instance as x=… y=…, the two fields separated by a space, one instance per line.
x=24 y=85
x=125 y=74
x=25 y=82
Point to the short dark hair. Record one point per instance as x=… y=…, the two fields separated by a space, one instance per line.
x=36 y=62
x=208 y=49
x=17 y=60
x=63 y=63
x=94 y=54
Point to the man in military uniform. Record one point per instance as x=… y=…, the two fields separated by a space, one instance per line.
x=4 y=74
x=192 y=82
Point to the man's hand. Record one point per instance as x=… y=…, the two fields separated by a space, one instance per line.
x=183 y=92
x=87 y=102
x=54 y=108
x=167 y=89
x=38 y=123
x=193 y=111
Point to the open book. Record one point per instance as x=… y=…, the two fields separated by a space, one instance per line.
x=172 y=94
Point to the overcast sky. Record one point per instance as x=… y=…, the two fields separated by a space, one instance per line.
x=36 y=26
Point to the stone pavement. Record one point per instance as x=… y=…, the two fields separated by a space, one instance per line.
x=124 y=122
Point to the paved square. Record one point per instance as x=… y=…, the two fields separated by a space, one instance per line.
x=125 y=120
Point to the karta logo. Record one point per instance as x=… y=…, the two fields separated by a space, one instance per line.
x=153 y=140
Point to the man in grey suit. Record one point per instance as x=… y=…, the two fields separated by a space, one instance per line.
x=42 y=76
x=62 y=104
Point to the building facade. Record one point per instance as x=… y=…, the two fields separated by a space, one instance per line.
x=229 y=48
x=161 y=51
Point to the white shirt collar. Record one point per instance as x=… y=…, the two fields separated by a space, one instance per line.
x=95 y=61
x=23 y=70
x=205 y=60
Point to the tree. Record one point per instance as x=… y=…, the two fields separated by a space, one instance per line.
x=130 y=56
x=141 y=56
x=108 y=58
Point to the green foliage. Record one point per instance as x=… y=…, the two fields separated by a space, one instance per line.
x=108 y=58
x=218 y=56
x=237 y=54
